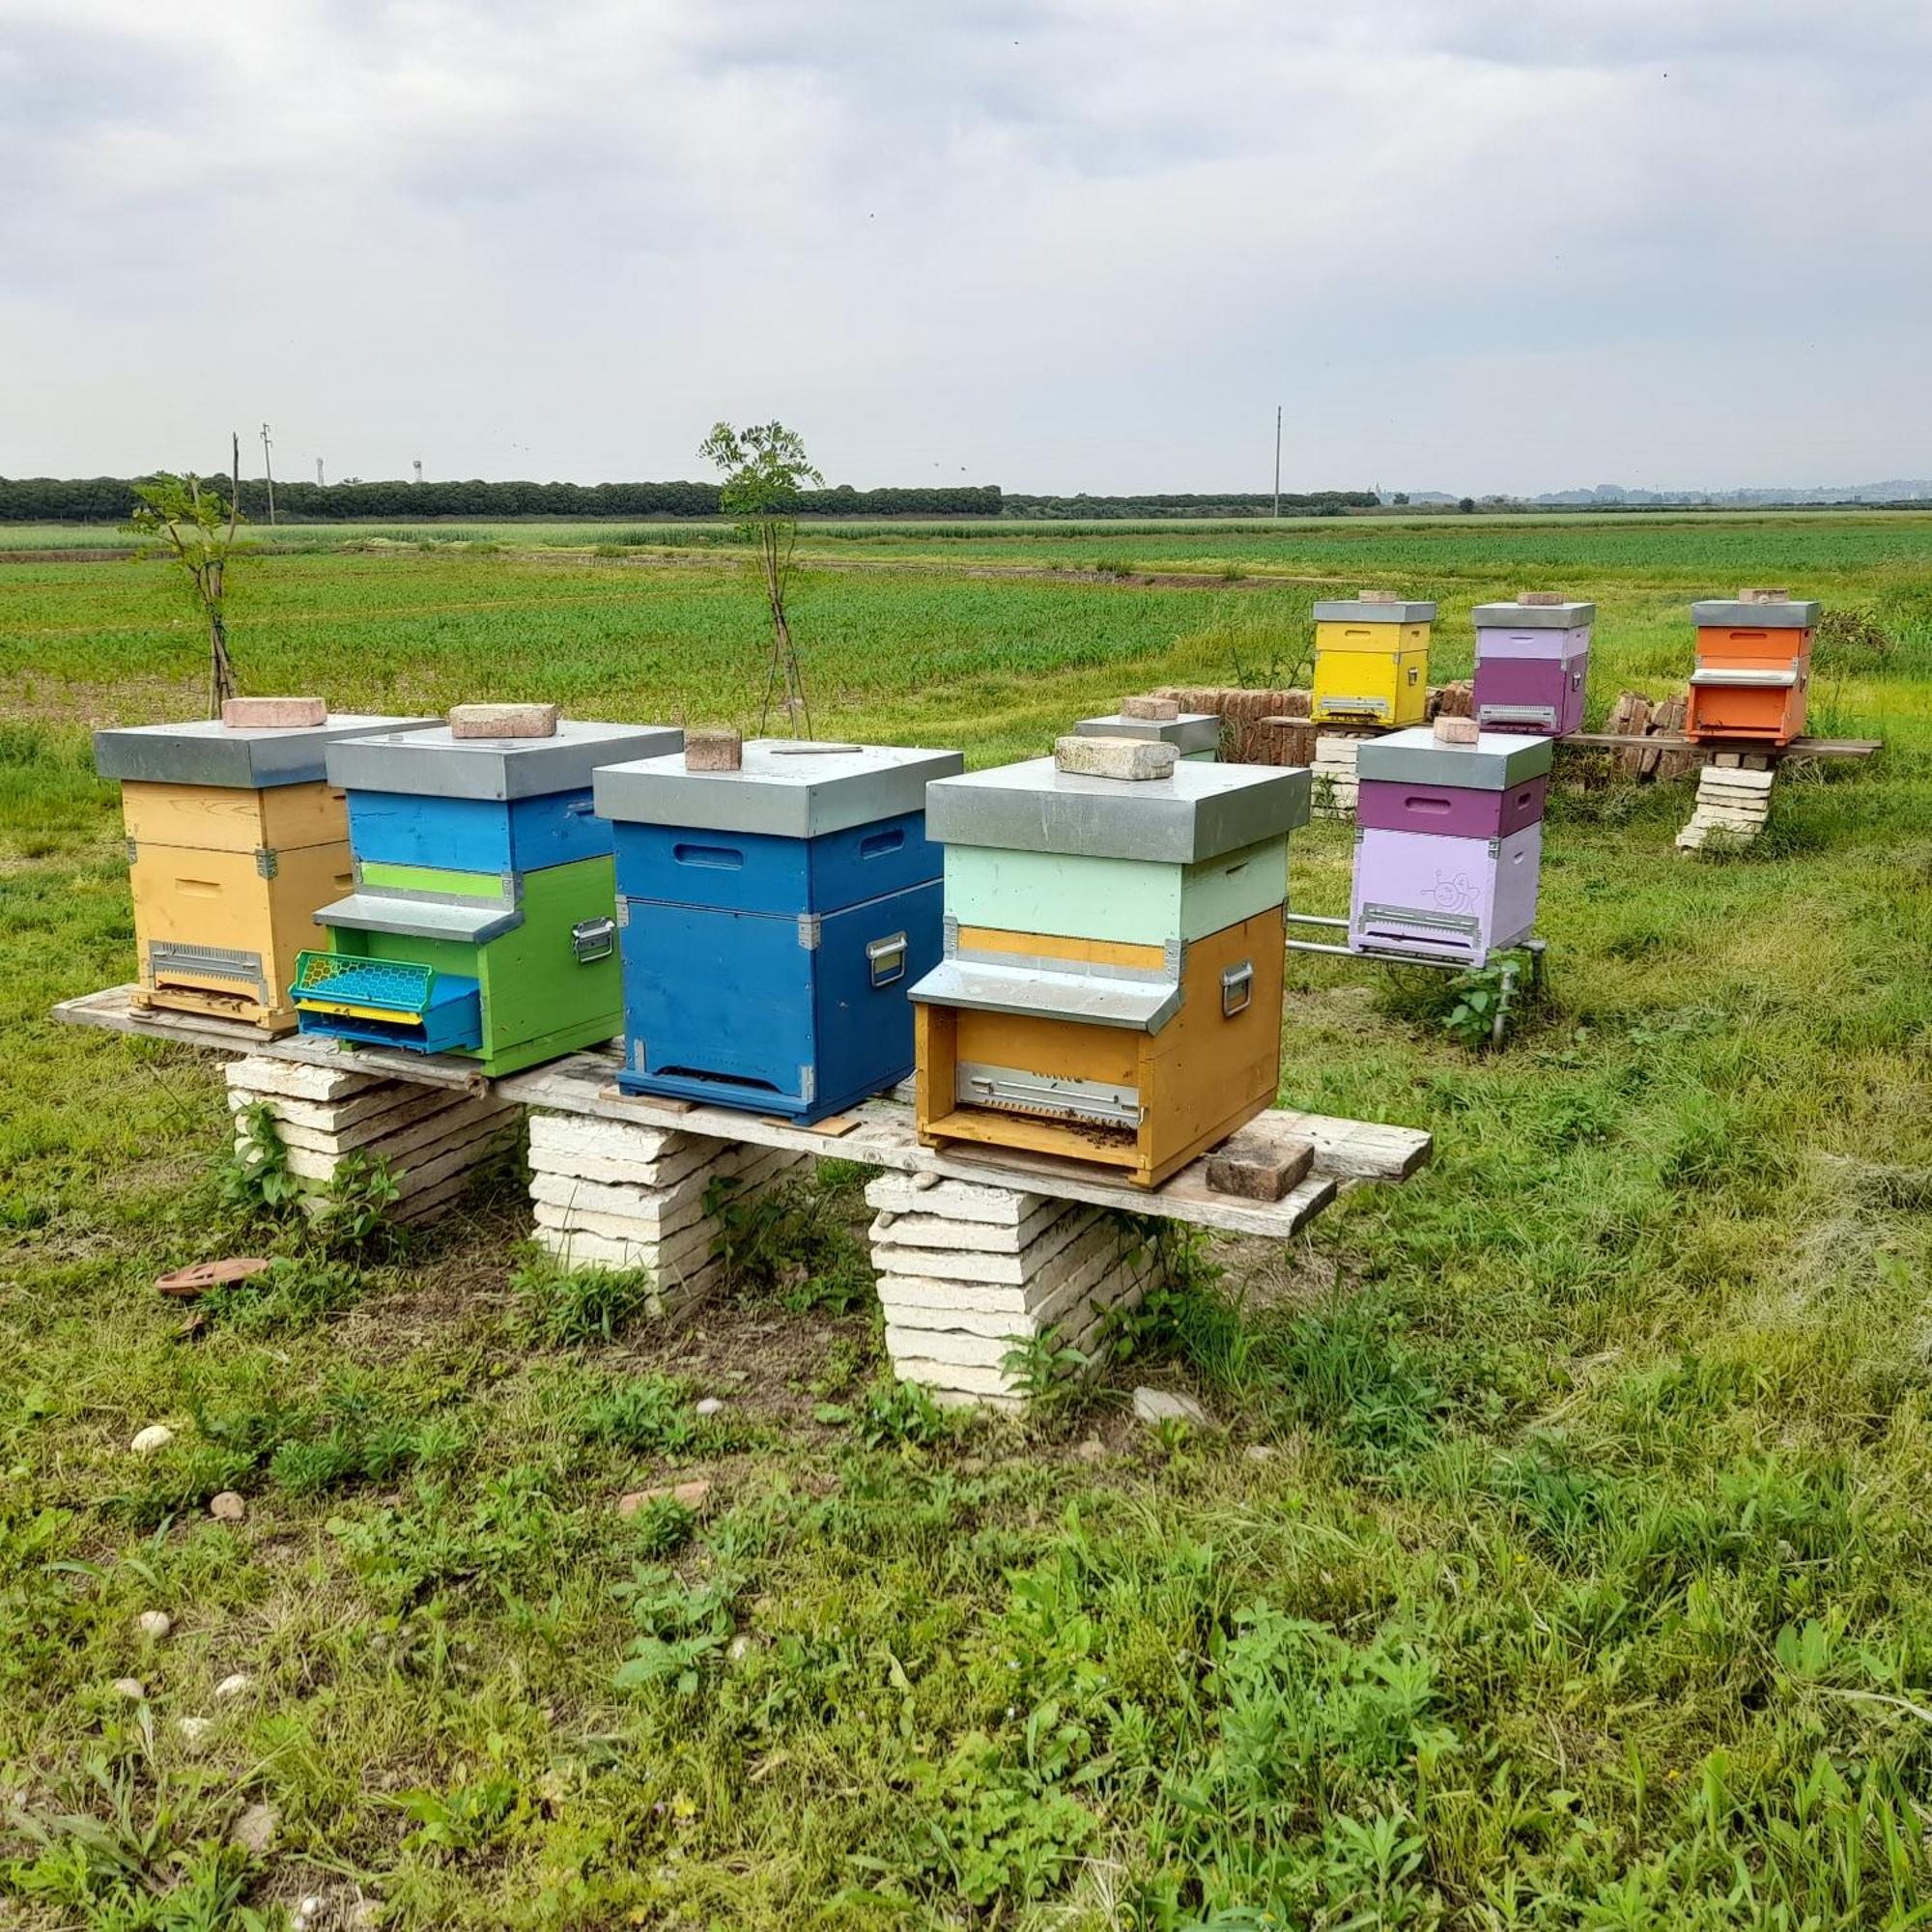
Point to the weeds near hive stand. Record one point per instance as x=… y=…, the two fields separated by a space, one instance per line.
x=356 y=1203
x=889 y=1415
x=1045 y=1372
x=560 y=1307
x=1483 y=995
x=257 y=1179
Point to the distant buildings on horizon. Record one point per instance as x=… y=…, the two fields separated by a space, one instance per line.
x=1898 y=490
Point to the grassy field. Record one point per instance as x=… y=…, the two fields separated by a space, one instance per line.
x=1561 y=1557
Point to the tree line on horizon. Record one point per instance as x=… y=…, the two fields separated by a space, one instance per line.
x=112 y=500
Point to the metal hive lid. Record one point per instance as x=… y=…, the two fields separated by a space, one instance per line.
x=204 y=751
x=1494 y=762
x=437 y=764
x=1354 y=611
x=1199 y=811
x=786 y=788
x=1191 y=732
x=1515 y=616
x=1801 y=613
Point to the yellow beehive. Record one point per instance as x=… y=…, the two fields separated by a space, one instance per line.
x=1371 y=661
x=235 y=838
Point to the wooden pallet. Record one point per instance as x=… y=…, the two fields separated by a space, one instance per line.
x=879 y=1134
x=1676 y=741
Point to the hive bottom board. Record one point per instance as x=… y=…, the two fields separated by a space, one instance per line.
x=1445 y=897
x=1192 y=1084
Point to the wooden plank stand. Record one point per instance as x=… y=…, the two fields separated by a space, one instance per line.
x=978 y=1250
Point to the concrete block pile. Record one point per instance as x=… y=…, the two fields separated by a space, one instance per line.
x=610 y=1194
x=966 y=1271
x=433 y=1139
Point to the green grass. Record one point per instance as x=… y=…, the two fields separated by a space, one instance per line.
x=1587 y=1583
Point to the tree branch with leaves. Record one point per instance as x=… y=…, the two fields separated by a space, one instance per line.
x=190 y=525
x=765 y=467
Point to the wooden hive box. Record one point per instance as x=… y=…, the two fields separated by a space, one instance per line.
x=234 y=837
x=772 y=917
x=1371 y=661
x=1112 y=985
x=482 y=922
x=1448 y=844
x=1753 y=670
x=1532 y=667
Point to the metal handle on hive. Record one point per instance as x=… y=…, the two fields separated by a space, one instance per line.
x=593 y=939
x=887 y=958
x=1238 y=988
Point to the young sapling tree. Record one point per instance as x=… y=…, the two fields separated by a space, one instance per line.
x=190 y=525
x=765 y=467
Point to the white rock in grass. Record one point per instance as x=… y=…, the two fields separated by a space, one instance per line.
x=230 y=1506
x=154 y=1625
x=1157 y=1405
x=710 y=1406
x=155 y=1437
x=193 y=1729
x=234 y=1684
x=255 y=1830
x=131 y=1688
x=1258 y=1451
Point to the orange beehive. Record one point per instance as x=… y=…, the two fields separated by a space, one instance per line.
x=1753 y=668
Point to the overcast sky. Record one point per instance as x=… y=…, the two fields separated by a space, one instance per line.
x=1057 y=244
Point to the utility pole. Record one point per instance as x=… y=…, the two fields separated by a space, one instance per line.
x=269 y=469
x=1277 y=463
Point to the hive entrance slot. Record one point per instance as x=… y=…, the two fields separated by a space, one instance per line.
x=705 y=1073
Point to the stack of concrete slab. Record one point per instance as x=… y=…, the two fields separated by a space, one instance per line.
x=967 y=1273
x=1334 y=770
x=1733 y=802
x=432 y=1139
x=610 y=1194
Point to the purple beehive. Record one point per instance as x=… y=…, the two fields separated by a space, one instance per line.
x=1532 y=664
x=1449 y=844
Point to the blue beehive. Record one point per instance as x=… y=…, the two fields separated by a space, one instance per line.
x=771 y=919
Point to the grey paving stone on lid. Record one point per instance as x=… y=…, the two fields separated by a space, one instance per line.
x=788 y=787
x=1198 y=812
x=204 y=751
x=439 y=764
x=1494 y=762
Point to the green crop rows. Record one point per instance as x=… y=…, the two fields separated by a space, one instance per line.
x=1582 y=1579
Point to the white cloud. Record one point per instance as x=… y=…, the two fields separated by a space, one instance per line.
x=1060 y=244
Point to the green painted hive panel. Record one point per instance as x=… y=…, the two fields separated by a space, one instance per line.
x=1133 y=901
x=539 y=998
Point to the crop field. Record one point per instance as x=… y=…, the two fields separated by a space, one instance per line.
x=1559 y=1556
